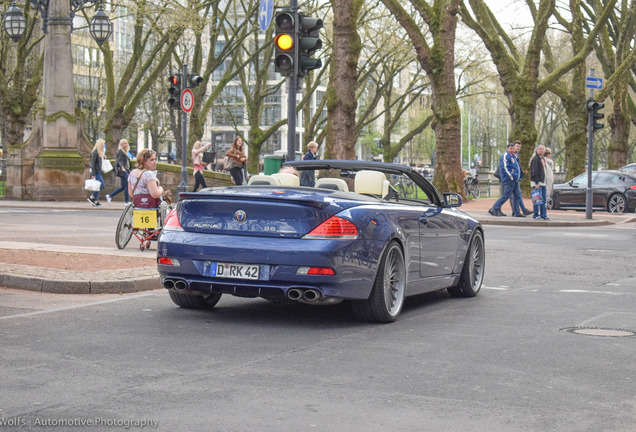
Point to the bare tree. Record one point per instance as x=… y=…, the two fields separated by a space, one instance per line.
x=435 y=49
x=21 y=66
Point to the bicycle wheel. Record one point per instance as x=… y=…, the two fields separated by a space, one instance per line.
x=474 y=190
x=124 y=227
x=164 y=209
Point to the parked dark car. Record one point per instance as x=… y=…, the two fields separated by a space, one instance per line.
x=613 y=191
x=630 y=168
x=367 y=233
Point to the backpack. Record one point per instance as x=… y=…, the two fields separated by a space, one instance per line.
x=497 y=173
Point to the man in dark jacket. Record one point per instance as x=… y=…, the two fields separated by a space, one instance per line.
x=510 y=172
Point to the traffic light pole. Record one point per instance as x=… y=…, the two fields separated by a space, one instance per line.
x=183 y=183
x=590 y=156
x=292 y=83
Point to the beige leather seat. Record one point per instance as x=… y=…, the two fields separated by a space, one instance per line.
x=261 y=179
x=287 y=179
x=371 y=183
x=332 y=183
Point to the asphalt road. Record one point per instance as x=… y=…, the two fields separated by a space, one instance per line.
x=503 y=361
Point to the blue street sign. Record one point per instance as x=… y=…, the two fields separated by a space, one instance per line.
x=265 y=12
x=594 y=83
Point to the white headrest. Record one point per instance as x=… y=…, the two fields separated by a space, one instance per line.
x=287 y=179
x=332 y=183
x=371 y=183
x=263 y=180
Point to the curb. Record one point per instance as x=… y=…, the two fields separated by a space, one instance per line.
x=40 y=284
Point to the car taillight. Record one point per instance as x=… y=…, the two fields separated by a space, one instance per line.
x=321 y=271
x=168 y=261
x=633 y=187
x=334 y=228
x=172 y=222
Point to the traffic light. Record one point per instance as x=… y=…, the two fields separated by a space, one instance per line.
x=593 y=107
x=308 y=43
x=194 y=80
x=284 y=41
x=174 y=100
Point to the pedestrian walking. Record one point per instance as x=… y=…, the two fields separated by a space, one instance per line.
x=197 y=161
x=537 y=177
x=308 y=177
x=122 y=169
x=238 y=158
x=510 y=171
x=97 y=155
x=518 y=207
x=549 y=172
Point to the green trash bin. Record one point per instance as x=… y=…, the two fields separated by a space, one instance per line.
x=272 y=164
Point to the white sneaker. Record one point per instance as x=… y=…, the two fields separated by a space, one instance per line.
x=108 y=199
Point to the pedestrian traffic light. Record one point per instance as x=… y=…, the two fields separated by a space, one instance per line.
x=174 y=99
x=284 y=42
x=194 y=80
x=308 y=43
x=593 y=107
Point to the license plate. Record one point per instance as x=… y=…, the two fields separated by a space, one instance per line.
x=235 y=271
x=144 y=218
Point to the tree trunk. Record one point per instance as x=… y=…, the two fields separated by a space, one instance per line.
x=620 y=122
x=341 y=90
x=576 y=139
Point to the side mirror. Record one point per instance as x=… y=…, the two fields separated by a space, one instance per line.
x=452 y=199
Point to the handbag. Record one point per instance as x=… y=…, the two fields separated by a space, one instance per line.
x=106 y=166
x=537 y=198
x=208 y=157
x=92 y=185
x=119 y=171
x=145 y=201
x=227 y=163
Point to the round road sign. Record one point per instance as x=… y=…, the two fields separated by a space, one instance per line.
x=187 y=100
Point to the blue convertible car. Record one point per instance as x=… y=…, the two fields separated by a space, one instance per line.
x=364 y=232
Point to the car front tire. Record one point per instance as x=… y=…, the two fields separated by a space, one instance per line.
x=389 y=289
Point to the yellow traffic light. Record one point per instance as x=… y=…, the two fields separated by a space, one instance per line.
x=284 y=41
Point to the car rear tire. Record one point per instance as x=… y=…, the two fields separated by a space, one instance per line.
x=388 y=293
x=472 y=274
x=190 y=301
x=617 y=203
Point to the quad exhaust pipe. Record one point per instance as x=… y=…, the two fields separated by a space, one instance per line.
x=178 y=284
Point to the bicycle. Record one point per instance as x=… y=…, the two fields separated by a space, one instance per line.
x=471 y=183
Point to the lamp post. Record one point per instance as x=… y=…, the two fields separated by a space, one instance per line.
x=51 y=165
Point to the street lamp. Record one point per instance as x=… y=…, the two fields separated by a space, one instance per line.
x=15 y=24
x=56 y=152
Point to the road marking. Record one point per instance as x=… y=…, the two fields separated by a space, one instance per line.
x=574 y=291
x=65 y=308
x=495 y=288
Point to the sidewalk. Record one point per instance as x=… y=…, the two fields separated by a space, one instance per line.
x=45 y=279
x=478 y=208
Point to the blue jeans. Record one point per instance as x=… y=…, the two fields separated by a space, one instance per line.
x=95 y=194
x=539 y=210
x=517 y=200
x=123 y=187
x=508 y=189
